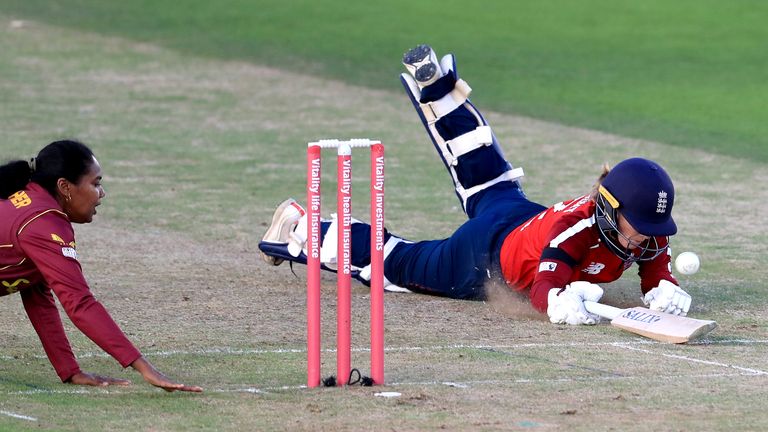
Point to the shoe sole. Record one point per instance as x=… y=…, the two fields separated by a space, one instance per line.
x=419 y=54
x=273 y=232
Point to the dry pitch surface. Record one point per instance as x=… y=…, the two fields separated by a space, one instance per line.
x=176 y=262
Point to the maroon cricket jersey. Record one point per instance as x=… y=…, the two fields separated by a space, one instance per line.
x=38 y=255
x=561 y=245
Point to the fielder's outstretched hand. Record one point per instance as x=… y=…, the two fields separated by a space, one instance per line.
x=157 y=379
x=89 y=379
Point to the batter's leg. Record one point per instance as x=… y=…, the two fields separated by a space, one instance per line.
x=460 y=134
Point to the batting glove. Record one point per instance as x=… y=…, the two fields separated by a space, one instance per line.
x=669 y=298
x=566 y=306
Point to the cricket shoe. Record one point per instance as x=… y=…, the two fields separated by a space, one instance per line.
x=284 y=222
x=421 y=62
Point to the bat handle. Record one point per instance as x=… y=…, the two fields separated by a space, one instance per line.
x=603 y=310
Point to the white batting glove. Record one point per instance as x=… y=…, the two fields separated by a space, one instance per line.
x=669 y=298
x=566 y=306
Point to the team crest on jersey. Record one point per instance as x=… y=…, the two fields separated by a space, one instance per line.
x=59 y=240
x=68 y=249
x=547 y=266
x=594 y=268
x=69 y=252
x=20 y=199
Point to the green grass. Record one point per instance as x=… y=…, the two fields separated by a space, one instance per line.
x=688 y=72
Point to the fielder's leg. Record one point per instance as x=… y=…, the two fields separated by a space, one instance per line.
x=459 y=132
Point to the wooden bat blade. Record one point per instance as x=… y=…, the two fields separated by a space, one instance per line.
x=652 y=324
x=662 y=326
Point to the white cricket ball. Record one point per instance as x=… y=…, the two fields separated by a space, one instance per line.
x=687 y=263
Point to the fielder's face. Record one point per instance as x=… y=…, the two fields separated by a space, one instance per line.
x=85 y=195
x=629 y=238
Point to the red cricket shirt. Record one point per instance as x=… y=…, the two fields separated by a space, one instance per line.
x=38 y=255
x=561 y=245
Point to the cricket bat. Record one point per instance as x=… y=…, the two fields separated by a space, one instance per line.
x=652 y=324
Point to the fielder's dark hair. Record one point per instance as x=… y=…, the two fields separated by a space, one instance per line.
x=66 y=159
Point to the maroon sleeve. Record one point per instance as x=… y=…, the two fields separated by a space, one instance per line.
x=658 y=269
x=42 y=312
x=49 y=242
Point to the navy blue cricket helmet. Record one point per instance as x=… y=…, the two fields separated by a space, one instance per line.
x=641 y=191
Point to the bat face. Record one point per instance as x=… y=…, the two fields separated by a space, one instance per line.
x=641 y=316
x=662 y=326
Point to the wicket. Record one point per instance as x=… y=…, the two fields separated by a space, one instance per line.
x=344 y=254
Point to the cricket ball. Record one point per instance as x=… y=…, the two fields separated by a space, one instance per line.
x=687 y=263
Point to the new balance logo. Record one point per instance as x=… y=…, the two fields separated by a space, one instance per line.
x=594 y=268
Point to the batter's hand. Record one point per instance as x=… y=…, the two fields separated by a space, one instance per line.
x=669 y=298
x=566 y=306
x=89 y=379
x=157 y=379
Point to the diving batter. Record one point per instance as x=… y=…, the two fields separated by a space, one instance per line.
x=557 y=254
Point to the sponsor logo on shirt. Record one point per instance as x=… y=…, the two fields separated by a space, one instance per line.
x=571 y=206
x=594 y=268
x=69 y=252
x=547 y=266
x=20 y=199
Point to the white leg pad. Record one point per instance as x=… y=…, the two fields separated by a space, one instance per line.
x=434 y=111
x=447 y=64
x=511 y=175
x=330 y=248
x=461 y=145
x=297 y=239
x=365 y=272
x=450 y=151
x=413 y=88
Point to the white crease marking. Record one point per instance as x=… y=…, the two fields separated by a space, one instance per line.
x=242 y=351
x=694 y=360
x=460 y=385
x=18 y=416
x=631 y=345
